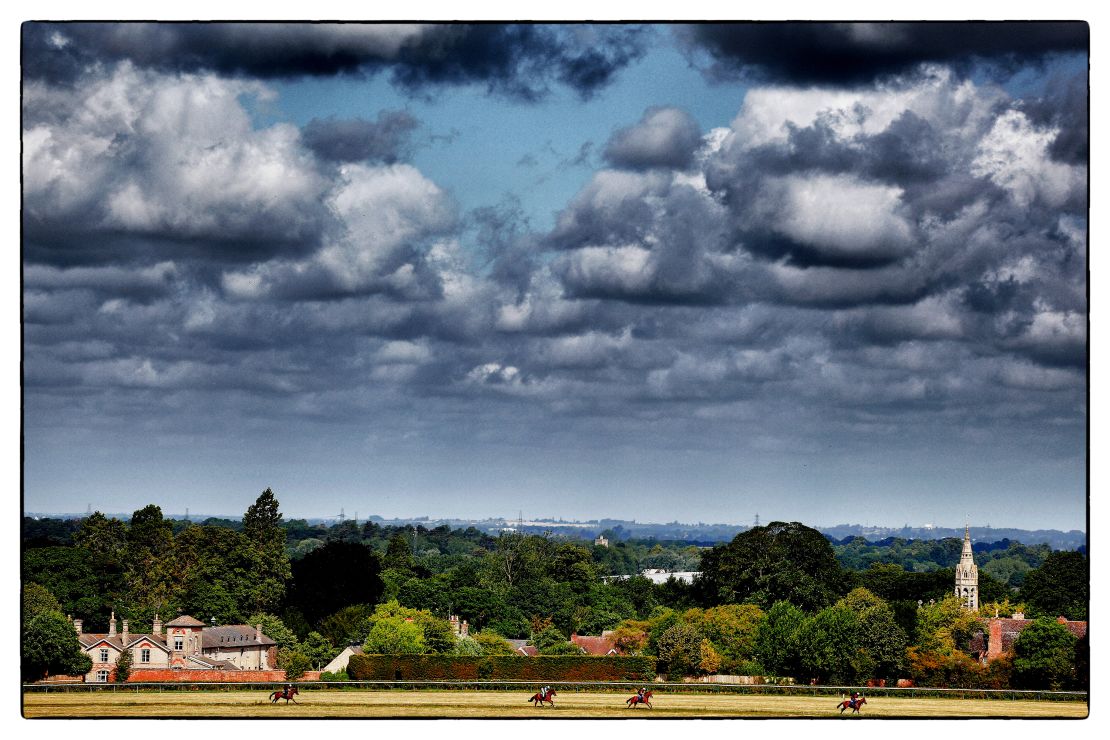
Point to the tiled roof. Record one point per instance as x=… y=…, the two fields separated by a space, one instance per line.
x=89 y=639
x=231 y=636
x=185 y=621
x=594 y=645
x=528 y=650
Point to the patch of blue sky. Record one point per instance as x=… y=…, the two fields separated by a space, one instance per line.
x=486 y=150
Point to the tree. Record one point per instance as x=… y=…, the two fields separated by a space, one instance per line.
x=777 y=641
x=946 y=627
x=104 y=538
x=1044 y=656
x=681 y=651
x=37 y=600
x=274 y=628
x=467 y=646
x=398 y=554
x=830 y=647
x=630 y=636
x=562 y=648
x=547 y=636
x=152 y=574
x=492 y=643
x=294 y=663
x=731 y=628
x=336 y=575
x=269 y=563
x=123 y=666
x=1060 y=587
x=81 y=584
x=50 y=646
x=778 y=562
x=261 y=522
x=881 y=639
x=348 y=626
x=394 y=636
x=318 y=649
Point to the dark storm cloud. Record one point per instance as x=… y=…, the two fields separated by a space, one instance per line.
x=359 y=140
x=519 y=61
x=664 y=137
x=1064 y=106
x=859 y=53
x=857 y=264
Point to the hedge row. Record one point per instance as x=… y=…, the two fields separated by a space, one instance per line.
x=505 y=668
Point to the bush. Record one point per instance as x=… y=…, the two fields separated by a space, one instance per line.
x=338 y=676
x=496 y=667
x=295 y=664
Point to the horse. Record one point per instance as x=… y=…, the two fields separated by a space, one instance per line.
x=286 y=693
x=637 y=699
x=538 y=698
x=853 y=704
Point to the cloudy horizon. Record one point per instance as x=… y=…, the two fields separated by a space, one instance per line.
x=823 y=272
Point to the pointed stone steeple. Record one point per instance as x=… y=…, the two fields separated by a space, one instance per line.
x=967 y=575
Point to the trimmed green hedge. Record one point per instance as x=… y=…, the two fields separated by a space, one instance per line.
x=499 y=667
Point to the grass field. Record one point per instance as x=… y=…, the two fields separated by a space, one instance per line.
x=511 y=705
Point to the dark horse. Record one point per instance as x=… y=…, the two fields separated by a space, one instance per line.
x=539 y=698
x=637 y=699
x=286 y=693
x=853 y=704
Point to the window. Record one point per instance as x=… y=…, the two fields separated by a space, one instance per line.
x=103 y=655
x=144 y=655
x=102 y=676
x=178 y=643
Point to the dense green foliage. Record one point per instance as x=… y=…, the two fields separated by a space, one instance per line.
x=1060 y=587
x=1044 y=656
x=542 y=668
x=50 y=646
x=779 y=600
x=767 y=564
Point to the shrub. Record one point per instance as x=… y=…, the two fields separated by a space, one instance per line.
x=542 y=668
x=337 y=676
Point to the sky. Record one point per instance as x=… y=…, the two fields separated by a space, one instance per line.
x=819 y=272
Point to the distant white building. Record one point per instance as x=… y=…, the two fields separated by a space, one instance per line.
x=339 y=662
x=661 y=575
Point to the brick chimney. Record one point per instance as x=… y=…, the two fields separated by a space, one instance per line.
x=156 y=628
x=258 y=633
x=112 y=625
x=1018 y=615
x=124 y=635
x=77 y=625
x=464 y=630
x=994 y=641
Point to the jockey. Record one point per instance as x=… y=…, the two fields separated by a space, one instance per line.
x=545 y=692
x=640 y=693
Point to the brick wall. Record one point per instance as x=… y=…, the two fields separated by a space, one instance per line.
x=156 y=675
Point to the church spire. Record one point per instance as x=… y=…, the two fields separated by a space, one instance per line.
x=967 y=574
x=966 y=556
